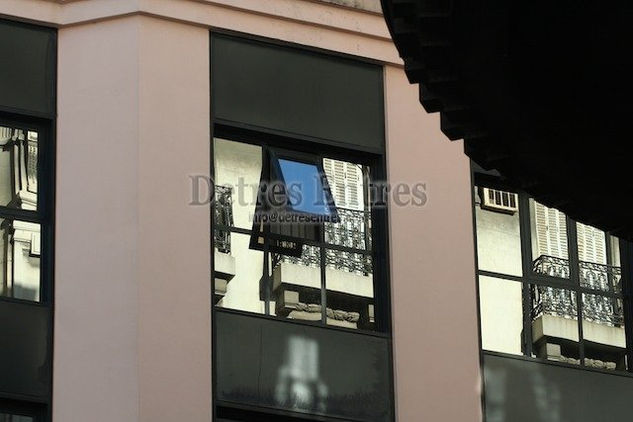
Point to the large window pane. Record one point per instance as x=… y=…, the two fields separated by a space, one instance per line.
x=238 y=169
x=501 y=315
x=20 y=259
x=603 y=332
x=555 y=324
x=18 y=168
x=296 y=285
x=498 y=236
x=549 y=241
x=238 y=272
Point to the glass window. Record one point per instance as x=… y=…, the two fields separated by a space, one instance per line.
x=576 y=312
x=20 y=217
x=18 y=168
x=498 y=236
x=319 y=270
x=501 y=309
x=549 y=241
x=20 y=248
x=305 y=189
x=9 y=417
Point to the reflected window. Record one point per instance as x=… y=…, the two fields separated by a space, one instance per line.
x=20 y=216
x=549 y=287
x=319 y=270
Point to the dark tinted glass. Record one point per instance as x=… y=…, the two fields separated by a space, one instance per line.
x=27 y=71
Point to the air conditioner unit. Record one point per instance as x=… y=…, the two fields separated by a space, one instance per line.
x=498 y=200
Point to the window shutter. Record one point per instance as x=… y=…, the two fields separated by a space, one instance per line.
x=346 y=183
x=591 y=244
x=551 y=231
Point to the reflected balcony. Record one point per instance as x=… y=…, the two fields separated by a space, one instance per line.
x=554 y=314
x=224 y=262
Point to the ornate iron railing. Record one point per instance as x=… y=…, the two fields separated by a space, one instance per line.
x=563 y=303
x=223 y=213
x=352 y=231
x=592 y=275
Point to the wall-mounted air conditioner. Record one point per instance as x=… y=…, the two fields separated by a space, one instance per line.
x=498 y=200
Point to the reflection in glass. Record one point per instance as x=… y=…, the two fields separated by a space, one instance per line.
x=350 y=289
x=307 y=193
x=603 y=332
x=555 y=324
x=498 y=238
x=237 y=273
x=299 y=386
x=18 y=168
x=549 y=241
x=501 y=312
x=238 y=169
x=296 y=285
x=20 y=259
x=9 y=417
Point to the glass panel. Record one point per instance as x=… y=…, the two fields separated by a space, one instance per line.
x=305 y=189
x=498 y=238
x=18 y=168
x=9 y=417
x=348 y=182
x=238 y=273
x=555 y=324
x=296 y=285
x=20 y=247
x=549 y=241
x=238 y=169
x=501 y=312
x=603 y=332
x=592 y=254
x=349 y=281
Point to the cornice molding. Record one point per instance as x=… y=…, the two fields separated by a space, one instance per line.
x=319 y=23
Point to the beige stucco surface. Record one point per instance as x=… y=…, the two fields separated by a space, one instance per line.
x=132 y=303
x=97 y=224
x=436 y=352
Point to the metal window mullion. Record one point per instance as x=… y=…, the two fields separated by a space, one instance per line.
x=626 y=263
x=574 y=276
x=525 y=235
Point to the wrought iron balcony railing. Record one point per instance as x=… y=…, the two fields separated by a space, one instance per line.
x=352 y=231
x=592 y=275
x=563 y=303
x=223 y=207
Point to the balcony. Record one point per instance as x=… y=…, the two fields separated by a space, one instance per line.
x=555 y=314
x=559 y=302
x=224 y=263
x=349 y=276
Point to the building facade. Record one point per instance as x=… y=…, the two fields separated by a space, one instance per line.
x=128 y=294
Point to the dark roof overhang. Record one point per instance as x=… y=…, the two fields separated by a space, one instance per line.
x=539 y=91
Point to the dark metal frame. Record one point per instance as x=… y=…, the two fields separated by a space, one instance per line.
x=44 y=216
x=247 y=133
x=378 y=226
x=45 y=124
x=572 y=284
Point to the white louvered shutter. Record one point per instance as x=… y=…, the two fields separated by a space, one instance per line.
x=591 y=244
x=551 y=231
x=346 y=182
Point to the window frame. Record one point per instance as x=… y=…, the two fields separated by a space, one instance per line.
x=44 y=214
x=573 y=284
x=381 y=281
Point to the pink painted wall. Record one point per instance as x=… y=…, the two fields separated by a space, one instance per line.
x=95 y=362
x=132 y=298
x=174 y=246
x=436 y=349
